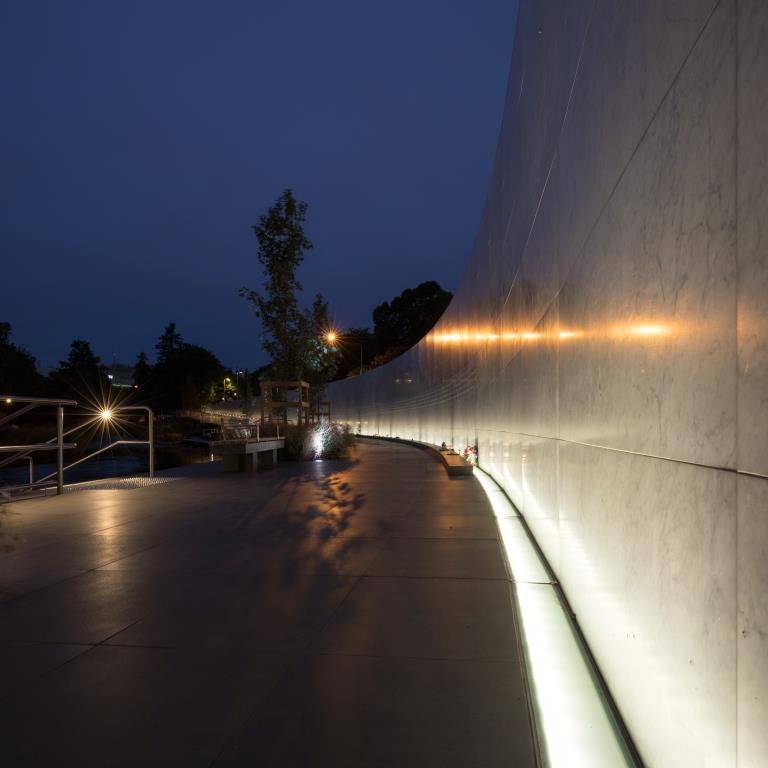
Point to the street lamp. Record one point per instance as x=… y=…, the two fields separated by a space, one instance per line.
x=332 y=337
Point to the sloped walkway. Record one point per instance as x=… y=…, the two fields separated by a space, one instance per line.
x=323 y=614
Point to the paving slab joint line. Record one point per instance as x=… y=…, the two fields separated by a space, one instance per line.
x=83 y=572
x=88 y=648
x=289 y=665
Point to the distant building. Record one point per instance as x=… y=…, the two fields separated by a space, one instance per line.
x=120 y=375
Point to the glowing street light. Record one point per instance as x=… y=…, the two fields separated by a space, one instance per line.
x=332 y=337
x=106 y=414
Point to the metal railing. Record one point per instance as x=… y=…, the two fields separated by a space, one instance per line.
x=24 y=451
x=20 y=452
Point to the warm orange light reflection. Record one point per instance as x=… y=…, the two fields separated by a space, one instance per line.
x=640 y=329
x=649 y=330
x=644 y=329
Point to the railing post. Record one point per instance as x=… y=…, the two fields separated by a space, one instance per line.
x=151 y=444
x=60 y=450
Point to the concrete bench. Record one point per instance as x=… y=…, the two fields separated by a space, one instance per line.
x=455 y=463
x=241 y=455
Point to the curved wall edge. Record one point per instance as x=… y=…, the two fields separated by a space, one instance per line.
x=607 y=350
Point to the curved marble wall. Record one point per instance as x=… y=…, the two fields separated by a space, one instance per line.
x=608 y=352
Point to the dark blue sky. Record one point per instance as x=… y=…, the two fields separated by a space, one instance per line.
x=140 y=140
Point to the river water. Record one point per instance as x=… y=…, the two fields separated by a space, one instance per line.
x=120 y=465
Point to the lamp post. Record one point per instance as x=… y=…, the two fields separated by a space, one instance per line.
x=332 y=337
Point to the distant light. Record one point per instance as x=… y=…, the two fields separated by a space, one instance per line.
x=110 y=376
x=8 y=401
x=568 y=334
x=106 y=414
x=331 y=336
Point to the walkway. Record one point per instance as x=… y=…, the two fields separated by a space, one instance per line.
x=324 y=614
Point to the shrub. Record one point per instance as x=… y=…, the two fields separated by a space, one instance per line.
x=317 y=441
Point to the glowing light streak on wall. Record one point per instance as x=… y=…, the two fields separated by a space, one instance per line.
x=574 y=722
x=634 y=332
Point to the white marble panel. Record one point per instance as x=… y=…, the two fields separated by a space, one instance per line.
x=652 y=329
x=753 y=235
x=753 y=622
x=647 y=563
x=632 y=53
x=654 y=293
x=549 y=40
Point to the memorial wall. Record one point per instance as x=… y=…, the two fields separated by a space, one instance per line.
x=607 y=351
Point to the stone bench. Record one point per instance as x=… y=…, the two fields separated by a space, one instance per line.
x=241 y=455
x=455 y=463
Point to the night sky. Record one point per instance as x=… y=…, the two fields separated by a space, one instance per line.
x=139 y=141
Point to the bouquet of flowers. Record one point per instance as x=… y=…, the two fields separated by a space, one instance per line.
x=470 y=454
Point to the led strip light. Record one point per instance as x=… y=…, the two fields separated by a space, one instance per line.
x=575 y=724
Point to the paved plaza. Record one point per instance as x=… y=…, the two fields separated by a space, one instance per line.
x=336 y=613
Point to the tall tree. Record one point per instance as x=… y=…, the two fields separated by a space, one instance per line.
x=169 y=341
x=81 y=357
x=18 y=369
x=188 y=377
x=142 y=370
x=82 y=372
x=282 y=244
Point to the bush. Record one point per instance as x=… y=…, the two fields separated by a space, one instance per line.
x=317 y=441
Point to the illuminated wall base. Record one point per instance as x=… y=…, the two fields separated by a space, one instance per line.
x=574 y=720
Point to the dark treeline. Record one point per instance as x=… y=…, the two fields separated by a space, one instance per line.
x=397 y=325
x=184 y=376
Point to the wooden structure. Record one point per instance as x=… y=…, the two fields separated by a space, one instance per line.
x=322 y=413
x=280 y=398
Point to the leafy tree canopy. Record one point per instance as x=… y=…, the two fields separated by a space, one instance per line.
x=294 y=340
x=185 y=375
x=169 y=341
x=18 y=368
x=282 y=244
x=142 y=371
x=80 y=358
x=410 y=316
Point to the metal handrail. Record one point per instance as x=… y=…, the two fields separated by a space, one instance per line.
x=30 y=404
x=57 y=443
x=31 y=447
